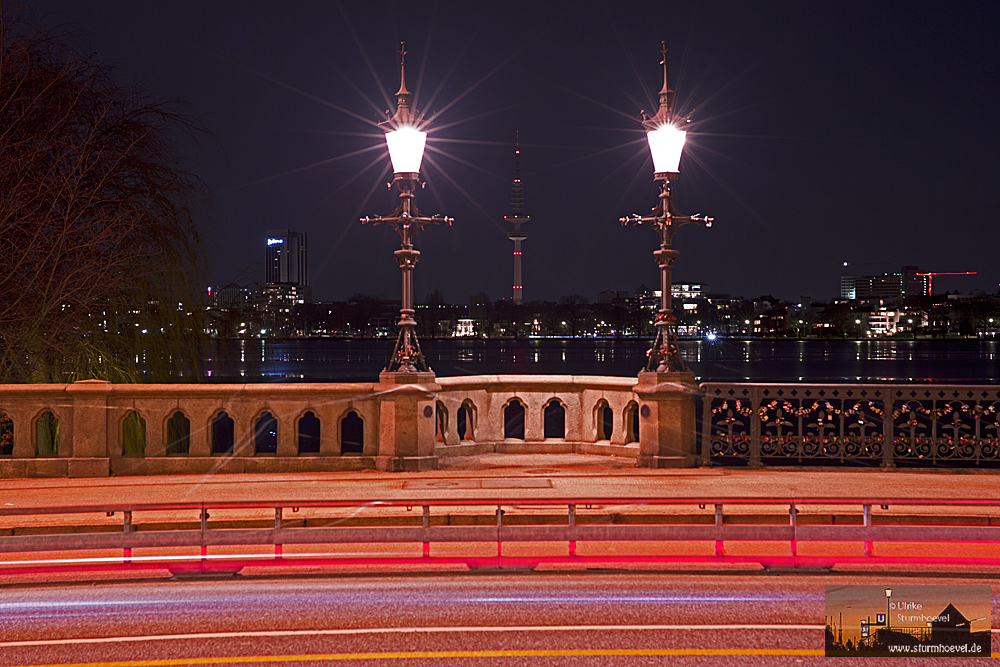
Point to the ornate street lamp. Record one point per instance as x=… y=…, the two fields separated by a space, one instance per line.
x=665 y=133
x=405 y=136
x=888 y=598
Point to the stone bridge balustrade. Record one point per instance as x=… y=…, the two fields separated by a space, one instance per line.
x=32 y=402
x=579 y=396
x=97 y=428
x=409 y=423
x=91 y=417
x=406 y=422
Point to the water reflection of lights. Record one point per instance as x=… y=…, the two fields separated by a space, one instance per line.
x=688 y=354
x=884 y=351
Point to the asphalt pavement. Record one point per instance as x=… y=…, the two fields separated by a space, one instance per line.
x=575 y=618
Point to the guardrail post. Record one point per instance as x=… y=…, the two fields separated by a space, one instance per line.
x=792 y=521
x=278 y=547
x=499 y=528
x=720 y=549
x=128 y=529
x=572 y=523
x=427 y=524
x=867 y=510
x=204 y=530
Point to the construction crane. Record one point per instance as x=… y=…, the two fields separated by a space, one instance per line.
x=930 y=277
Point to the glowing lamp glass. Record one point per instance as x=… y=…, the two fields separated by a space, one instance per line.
x=666 y=143
x=406 y=149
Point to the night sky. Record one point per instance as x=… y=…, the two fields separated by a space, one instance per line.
x=825 y=132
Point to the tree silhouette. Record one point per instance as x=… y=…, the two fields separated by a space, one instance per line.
x=96 y=234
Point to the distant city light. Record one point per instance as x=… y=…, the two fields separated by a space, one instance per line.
x=275 y=241
x=711 y=336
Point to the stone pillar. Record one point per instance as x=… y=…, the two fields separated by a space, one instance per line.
x=668 y=435
x=156 y=431
x=288 y=433
x=534 y=417
x=90 y=429
x=406 y=421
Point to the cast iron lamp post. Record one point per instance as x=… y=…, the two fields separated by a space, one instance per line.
x=888 y=598
x=405 y=136
x=666 y=134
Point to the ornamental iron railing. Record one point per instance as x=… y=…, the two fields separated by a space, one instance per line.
x=843 y=424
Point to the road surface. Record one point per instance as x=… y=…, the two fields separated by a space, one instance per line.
x=500 y=619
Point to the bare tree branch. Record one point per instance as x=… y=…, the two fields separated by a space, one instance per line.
x=96 y=232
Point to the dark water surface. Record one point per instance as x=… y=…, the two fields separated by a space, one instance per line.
x=723 y=360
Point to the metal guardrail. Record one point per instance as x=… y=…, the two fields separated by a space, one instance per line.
x=27 y=550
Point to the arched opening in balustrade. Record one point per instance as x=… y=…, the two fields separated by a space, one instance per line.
x=6 y=434
x=309 y=434
x=440 y=421
x=513 y=420
x=265 y=434
x=352 y=434
x=133 y=434
x=178 y=434
x=632 y=422
x=465 y=421
x=222 y=434
x=47 y=435
x=555 y=419
x=604 y=417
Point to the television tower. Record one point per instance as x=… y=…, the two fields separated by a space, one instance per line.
x=517 y=234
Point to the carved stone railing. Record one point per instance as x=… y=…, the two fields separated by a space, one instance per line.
x=402 y=422
x=883 y=425
x=411 y=421
x=580 y=400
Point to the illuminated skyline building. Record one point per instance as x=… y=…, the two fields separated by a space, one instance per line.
x=286 y=258
x=517 y=235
